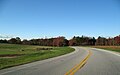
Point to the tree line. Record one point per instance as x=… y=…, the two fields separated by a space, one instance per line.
x=62 y=41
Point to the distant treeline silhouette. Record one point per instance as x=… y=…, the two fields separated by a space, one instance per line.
x=62 y=41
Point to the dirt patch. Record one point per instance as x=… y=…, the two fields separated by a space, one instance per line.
x=10 y=55
x=43 y=49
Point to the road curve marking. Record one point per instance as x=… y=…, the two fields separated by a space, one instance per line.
x=78 y=66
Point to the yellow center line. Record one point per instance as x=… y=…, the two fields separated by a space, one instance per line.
x=78 y=66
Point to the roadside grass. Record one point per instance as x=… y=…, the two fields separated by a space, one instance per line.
x=27 y=54
x=110 y=48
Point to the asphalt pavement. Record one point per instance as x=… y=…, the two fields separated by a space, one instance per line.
x=53 y=66
x=99 y=63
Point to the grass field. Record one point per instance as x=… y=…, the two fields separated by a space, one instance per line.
x=111 y=48
x=12 y=54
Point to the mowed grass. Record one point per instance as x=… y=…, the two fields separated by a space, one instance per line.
x=111 y=48
x=12 y=54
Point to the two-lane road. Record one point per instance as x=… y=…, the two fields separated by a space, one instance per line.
x=99 y=63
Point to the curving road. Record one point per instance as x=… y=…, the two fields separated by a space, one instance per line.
x=99 y=63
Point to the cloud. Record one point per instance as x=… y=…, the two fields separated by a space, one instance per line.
x=5 y=36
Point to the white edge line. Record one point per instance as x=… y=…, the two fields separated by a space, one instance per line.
x=115 y=53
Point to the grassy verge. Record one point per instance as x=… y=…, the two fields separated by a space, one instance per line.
x=12 y=55
x=110 y=48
